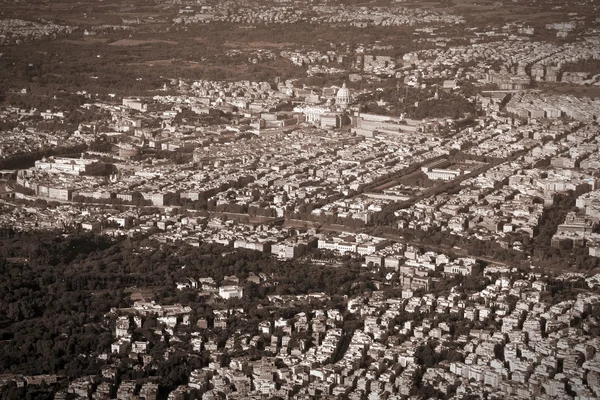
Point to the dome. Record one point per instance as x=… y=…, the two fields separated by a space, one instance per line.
x=343 y=97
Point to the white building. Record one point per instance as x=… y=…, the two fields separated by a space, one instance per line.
x=73 y=166
x=231 y=291
x=343 y=97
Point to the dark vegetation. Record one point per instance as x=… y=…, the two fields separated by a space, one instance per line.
x=55 y=290
x=544 y=254
x=193 y=51
x=418 y=104
x=27 y=160
x=214 y=117
x=590 y=66
x=45 y=322
x=102 y=68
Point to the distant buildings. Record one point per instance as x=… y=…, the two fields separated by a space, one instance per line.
x=74 y=166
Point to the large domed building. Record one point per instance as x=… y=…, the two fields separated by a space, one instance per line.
x=343 y=98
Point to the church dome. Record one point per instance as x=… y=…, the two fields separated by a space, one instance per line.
x=343 y=97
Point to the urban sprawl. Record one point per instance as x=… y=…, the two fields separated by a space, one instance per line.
x=351 y=173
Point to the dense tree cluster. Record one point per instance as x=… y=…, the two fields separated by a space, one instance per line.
x=27 y=160
x=214 y=117
x=591 y=66
x=543 y=254
x=55 y=290
x=417 y=103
